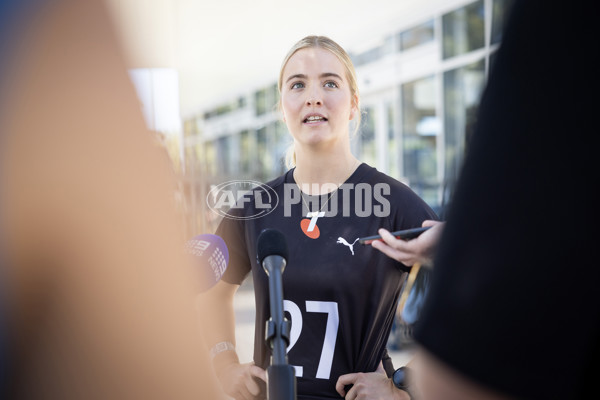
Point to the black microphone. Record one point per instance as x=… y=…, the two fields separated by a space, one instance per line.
x=211 y=255
x=272 y=250
x=272 y=253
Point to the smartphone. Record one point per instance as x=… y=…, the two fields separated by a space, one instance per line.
x=404 y=234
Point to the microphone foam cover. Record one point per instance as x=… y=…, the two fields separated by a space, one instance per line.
x=271 y=242
x=210 y=255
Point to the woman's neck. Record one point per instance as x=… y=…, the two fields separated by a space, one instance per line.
x=323 y=172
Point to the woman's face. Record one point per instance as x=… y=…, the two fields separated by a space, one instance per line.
x=315 y=97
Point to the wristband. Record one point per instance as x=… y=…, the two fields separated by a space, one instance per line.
x=400 y=380
x=221 y=347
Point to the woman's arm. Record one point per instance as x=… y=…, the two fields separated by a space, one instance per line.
x=218 y=318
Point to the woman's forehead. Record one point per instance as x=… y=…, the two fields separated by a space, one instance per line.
x=313 y=60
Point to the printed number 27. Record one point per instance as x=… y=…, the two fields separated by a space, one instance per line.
x=333 y=322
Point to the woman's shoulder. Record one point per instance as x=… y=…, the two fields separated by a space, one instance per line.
x=400 y=194
x=279 y=182
x=371 y=175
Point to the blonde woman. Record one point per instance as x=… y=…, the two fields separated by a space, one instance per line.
x=340 y=296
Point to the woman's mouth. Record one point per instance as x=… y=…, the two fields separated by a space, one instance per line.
x=314 y=119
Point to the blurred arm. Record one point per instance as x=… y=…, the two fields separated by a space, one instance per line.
x=216 y=309
x=420 y=249
x=101 y=294
x=436 y=381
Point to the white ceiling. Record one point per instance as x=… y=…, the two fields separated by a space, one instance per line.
x=222 y=47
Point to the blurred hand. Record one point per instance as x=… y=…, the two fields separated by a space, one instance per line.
x=237 y=380
x=420 y=249
x=369 y=386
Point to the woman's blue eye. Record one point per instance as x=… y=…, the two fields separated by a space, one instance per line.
x=298 y=85
x=331 y=84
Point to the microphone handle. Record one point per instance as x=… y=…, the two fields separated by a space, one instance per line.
x=274 y=265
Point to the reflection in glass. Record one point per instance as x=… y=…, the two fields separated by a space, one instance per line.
x=416 y=36
x=393 y=147
x=224 y=155
x=260 y=101
x=245 y=154
x=420 y=130
x=366 y=138
x=281 y=143
x=266 y=99
x=210 y=155
x=190 y=129
x=272 y=142
x=374 y=53
x=462 y=91
x=500 y=11
x=463 y=30
x=262 y=154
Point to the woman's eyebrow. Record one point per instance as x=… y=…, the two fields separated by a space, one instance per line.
x=329 y=75
x=296 y=76
x=323 y=75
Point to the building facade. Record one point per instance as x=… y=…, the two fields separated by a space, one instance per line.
x=420 y=87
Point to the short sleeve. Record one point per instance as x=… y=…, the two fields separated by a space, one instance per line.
x=233 y=233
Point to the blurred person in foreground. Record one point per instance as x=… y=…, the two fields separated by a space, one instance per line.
x=512 y=311
x=97 y=294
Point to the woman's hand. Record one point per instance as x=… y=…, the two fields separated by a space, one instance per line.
x=369 y=385
x=238 y=380
x=420 y=249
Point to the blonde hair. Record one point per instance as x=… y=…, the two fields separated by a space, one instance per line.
x=326 y=43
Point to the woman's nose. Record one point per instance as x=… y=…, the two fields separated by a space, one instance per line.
x=314 y=99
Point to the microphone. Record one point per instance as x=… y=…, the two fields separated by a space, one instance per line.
x=272 y=250
x=272 y=253
x=211 y=255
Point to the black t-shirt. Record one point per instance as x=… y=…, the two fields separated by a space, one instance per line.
x=339 y=295
x=514 y=303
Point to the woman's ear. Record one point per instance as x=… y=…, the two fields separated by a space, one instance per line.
x=354 y=106
x=280 y=109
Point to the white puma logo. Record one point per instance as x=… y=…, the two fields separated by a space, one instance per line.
x=343 y=241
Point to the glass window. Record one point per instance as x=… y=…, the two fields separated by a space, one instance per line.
x=366 y=138
x=374 y=53
x=388 y=46
x=367 y=56
x=266 y=99
x=393 y=147
x=420 y=129
x=263 y=155
x=190 y=128
x=500 y=9
x=260 y=99
x=273 y=98
x=416 y=36
x=463 y=30
x=209 y=114
x=462 y=92
x=245 y=154
x=281 y=144
x=210 y=154
x=224 y=156
x=241 y=102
